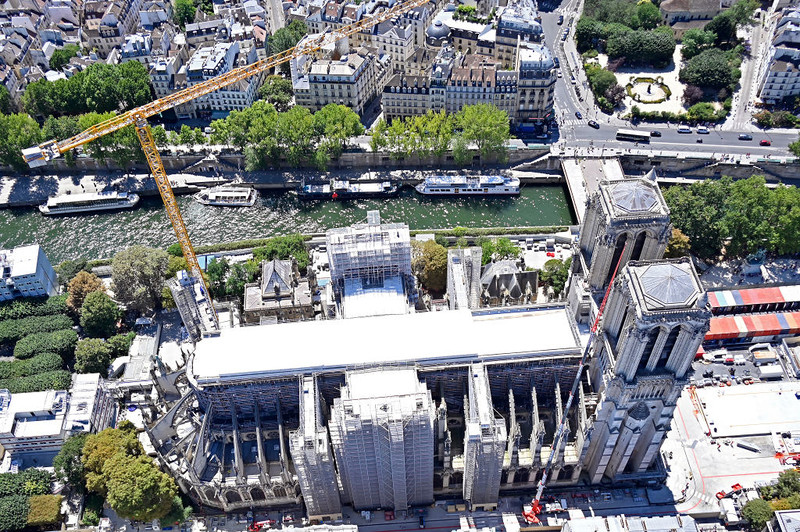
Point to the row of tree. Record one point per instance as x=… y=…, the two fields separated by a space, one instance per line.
x=266 y=135
x=607 y=92
x=483 y=126
x=736 y=218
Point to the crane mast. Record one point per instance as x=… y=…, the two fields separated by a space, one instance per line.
x=531 y=515
x=40 y=155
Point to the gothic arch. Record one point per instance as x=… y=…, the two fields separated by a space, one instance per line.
x=638 y=244
x=622 y=239
x=257 y=494
x=280 y=492
x=232 y=496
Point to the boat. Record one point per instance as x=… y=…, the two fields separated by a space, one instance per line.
x=227 y=196
x=463 y=185
x=89 y=202
x=346 y=189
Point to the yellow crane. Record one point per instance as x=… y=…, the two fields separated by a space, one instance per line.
x=47 y=151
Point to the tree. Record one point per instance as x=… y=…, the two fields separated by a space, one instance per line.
x=337 y=124
x=742 y=12
x=615 y=94
x=678 y=245
x=68 y=269
x=295 y=134
x=505 y=249
x=487 y=127
x=794 y=147
x=17 y=132
x=378 y=141
x=702 y=112
x=184 y=12
x=286 y=38
x=588 y=32
x=67 y=463
x=277 y=90
x=642 y=46
x=81 y=285
x=177 y=513
x=723 y=26
x=5 y=101
x=120 y=344
x=217 y=271
x=138 y=274
x=788 y=483
x=601 y=80
x=92 y=355
x=462 y=155
x=648 y=16
x=692 y=94
x=555 y=274
x=61 y=57
x=240 y=275
x=99 y=315
x=137 y=489
x=160 y=136
x=709 y=68
x=430 y=264
x=748 y=217
x=757 y=512
x=100 y=448
x=695 y=41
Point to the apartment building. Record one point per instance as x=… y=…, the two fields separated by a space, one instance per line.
x=353 y=79
x=107 y=23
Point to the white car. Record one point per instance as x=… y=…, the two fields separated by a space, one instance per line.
x=702 y=130
x=560 y=74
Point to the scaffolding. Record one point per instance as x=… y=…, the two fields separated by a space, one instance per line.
x=369 y=253
x=312 y=458
x=464 y=277
x=382 y=429
x=484 y=444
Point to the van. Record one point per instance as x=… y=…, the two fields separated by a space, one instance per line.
x=684 y=129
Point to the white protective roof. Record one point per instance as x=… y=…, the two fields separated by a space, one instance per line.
x=456 y=336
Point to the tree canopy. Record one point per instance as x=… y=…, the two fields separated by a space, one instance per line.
x=277 y=90
x=67 y=463
x=286 y=38
x=429 y=262
x=99 y=315
x=100 y=88
x=486 y=126
x=138 y=275
x=184 y=11
x=710 y=68
x=92 y=355
x=745 y=213
x=137 y=489
x=695 y=41
x=61 y=57
x=100 y=448
x=555 y=274
x=757 y=512
x=83 y=284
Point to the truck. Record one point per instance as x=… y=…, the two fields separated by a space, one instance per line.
x=770 y=371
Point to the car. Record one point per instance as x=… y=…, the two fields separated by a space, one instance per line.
x=745 y=136
x=560 y=20
x=765 y=142
x=578 y=114
x=556 y=62
x=655 y=133
x=564 y=37
x=702 y=130
x=684 y=129
x=572 y=80
x=594 y=124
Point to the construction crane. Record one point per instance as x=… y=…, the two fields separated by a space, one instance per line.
x=47 y=151
x=531 y=515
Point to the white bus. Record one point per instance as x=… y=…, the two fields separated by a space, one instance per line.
x=634 y=136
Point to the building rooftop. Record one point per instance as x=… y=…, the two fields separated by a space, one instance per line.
x=22 y=259
x=434 y=337
x=788 y=520
x=361 y=301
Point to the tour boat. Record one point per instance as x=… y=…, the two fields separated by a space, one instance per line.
x=462 y=185
x=346 y=189
x=227 y=196
x=89 y=202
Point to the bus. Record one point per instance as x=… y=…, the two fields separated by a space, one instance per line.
x=634 y=136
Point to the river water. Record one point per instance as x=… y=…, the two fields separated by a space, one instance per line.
x=276 y=213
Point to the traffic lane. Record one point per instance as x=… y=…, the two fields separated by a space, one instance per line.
x=656 y=145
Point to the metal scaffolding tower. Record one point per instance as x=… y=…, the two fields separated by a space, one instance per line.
x=484 y=444
x=312 y=458
x=382 y=433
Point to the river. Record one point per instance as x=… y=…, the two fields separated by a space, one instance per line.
x=276 y=213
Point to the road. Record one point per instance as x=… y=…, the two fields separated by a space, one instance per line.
x=276 y=19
